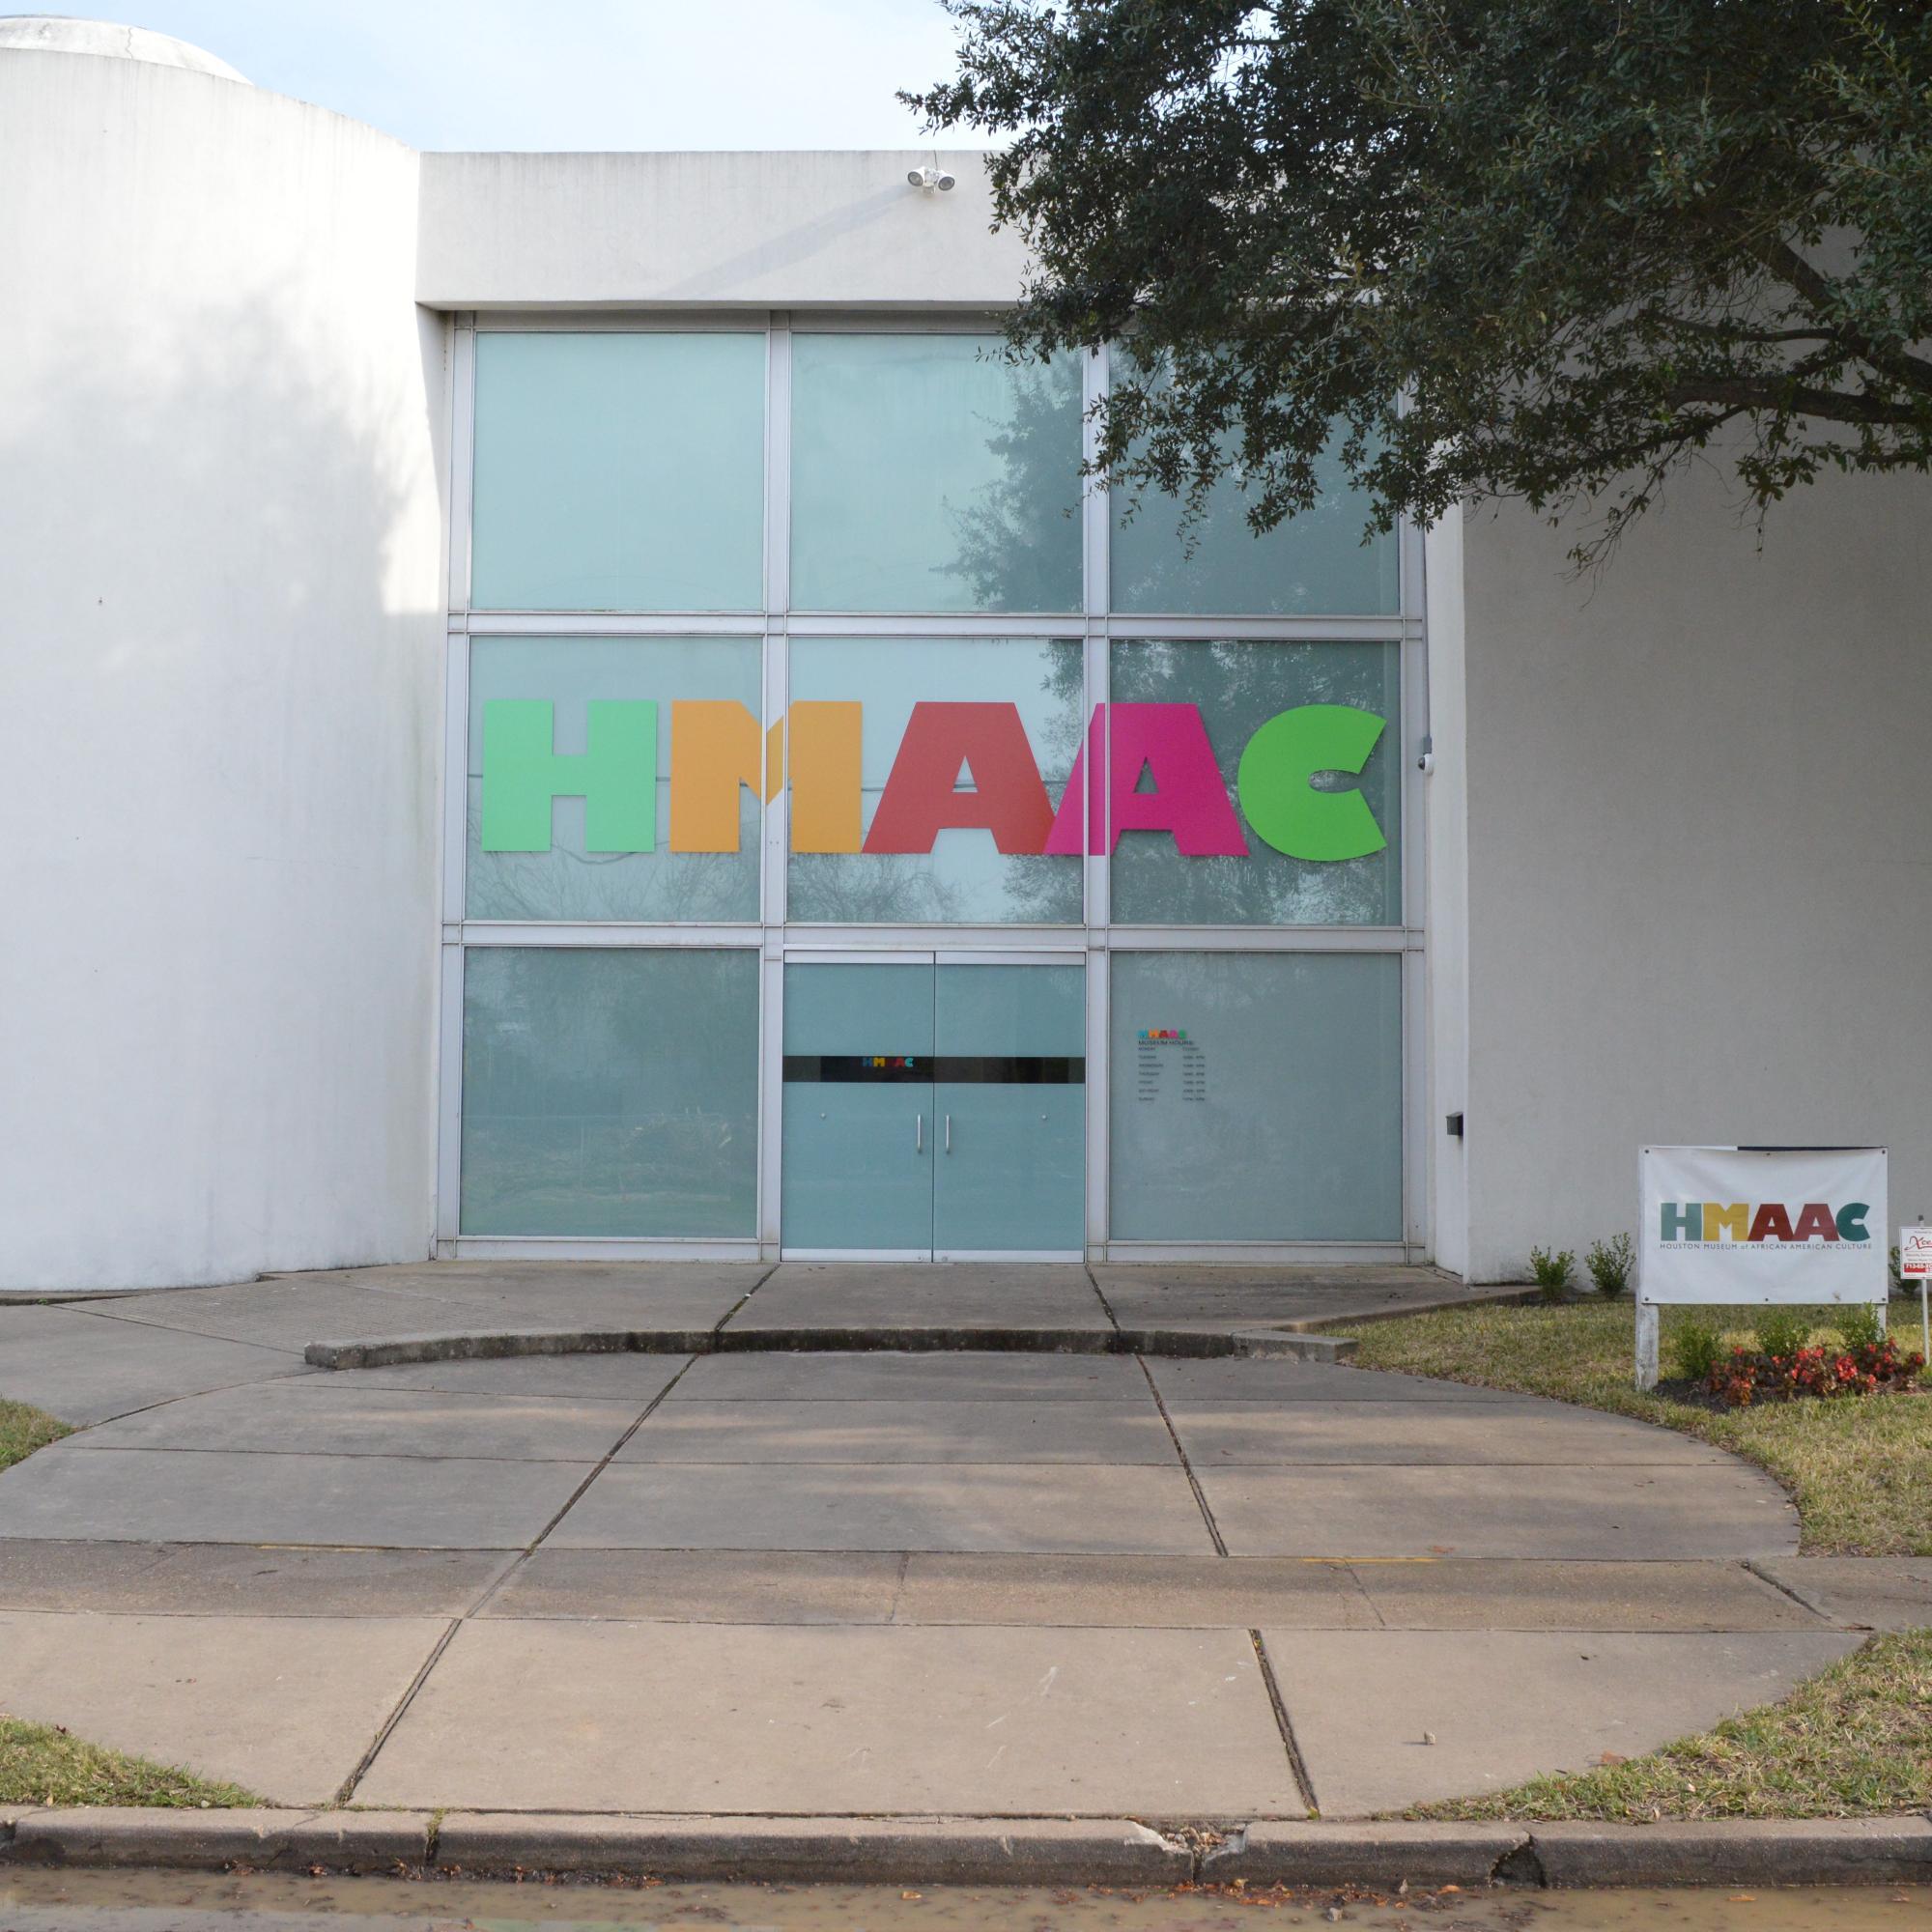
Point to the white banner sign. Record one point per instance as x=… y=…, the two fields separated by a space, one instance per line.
x=1763 y=1225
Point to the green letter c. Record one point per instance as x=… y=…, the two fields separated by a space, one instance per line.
x=1281 y=804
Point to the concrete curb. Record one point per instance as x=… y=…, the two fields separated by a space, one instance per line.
x=1014 y=1851
x=855 y=1851
x=1379 y=1856
x=1744 y=1851
x=465 y=1346
x=211 y=1840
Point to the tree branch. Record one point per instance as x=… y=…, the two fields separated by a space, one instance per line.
x=1826 y=405
x=1784 y=262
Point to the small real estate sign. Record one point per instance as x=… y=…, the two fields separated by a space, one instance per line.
x=1756 y=1225
x=1915 y=1253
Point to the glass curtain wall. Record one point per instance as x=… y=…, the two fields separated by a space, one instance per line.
x=771 y=642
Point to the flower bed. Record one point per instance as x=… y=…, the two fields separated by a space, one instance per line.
x=1748 y=1376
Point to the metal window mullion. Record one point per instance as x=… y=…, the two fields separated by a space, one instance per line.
x=1259 y=939
x=449 y=1095
x=619 y=321
x=771 y=1097
x=612 y=937
x=832 y=321
x=777 y=468
x=614 y=624
x=1099 y=1089
x=1413 y=674
x=1022 y=626
x=462 y=458
x=1335 y=630
x=455 y=775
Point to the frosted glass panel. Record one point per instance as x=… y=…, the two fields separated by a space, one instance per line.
x=845 y=1010
x=609 y=1092
x=965 y=879
x=930 y=474
x=619 y=472
x=1315 y=564
x=1238 y=686
x=1028 y=1010
x=1257 y=1098
x=569 y=882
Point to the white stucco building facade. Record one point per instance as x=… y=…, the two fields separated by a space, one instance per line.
x=290 y=500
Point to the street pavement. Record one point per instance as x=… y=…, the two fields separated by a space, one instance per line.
x=974 y=1582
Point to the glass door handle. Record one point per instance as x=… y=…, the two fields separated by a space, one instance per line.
x=919 y=1133
x=948 y=1133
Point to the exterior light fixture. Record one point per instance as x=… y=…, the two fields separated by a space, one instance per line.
x=929 y=179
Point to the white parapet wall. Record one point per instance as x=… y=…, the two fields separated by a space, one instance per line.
x=220 y=541
x=1698 y=902
x=713 y=229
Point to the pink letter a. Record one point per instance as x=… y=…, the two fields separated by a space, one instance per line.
x=1188 y=800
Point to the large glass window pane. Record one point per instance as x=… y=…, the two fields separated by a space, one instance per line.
x=610 y=1091
x=922 y=711
x=1325 y=783
x=593 y=831
x=1315 y=564
x=619 y=472
x=928 y=473
x=1257 y=1096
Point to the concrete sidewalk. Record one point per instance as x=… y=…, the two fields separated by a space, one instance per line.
x=969 y=1583
x=89 y=1359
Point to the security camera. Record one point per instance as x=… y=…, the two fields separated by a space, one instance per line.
x=928 y=179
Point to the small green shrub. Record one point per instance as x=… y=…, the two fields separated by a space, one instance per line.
x=1859 y=1325
x=1781 y=1331
x=1695 y=1342
x=1610 y=1264
x=1552 y=1272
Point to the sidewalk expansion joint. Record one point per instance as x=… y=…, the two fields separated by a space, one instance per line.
x=1100 y=1296
x=347 y=1790
x=1784 y=1589
x=737 y=1307
x=491 y=1591
x=1285 y=1724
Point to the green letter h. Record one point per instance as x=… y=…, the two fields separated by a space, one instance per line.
x=616 y=776
x=1683 y=1223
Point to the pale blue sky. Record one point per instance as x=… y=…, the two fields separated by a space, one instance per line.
x=582 y=74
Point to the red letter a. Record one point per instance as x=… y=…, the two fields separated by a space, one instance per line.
x=919 y=801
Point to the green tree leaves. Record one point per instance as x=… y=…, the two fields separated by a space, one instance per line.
x=1541 y=249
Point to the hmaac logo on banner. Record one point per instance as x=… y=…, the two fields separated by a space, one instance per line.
x=1762 y=1224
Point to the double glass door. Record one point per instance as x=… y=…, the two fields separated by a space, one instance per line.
x=934 y=1109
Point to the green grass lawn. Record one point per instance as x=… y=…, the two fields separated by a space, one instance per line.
x=41 y=1764
x=23 y=1430
x=1860 y=1469
x=1852 y=1742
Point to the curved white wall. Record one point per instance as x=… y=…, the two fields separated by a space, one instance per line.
x=220 y=545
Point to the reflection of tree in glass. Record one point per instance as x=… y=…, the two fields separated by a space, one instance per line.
x=609 y=1092
x=1299 y=1135
x=1019 y=535
x=1238 y=686
x=698 y=889
x=869 y=889
x=1199 y=551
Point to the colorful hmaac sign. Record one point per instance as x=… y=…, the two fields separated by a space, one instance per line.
x=1741 y=1225
x=1139 y=768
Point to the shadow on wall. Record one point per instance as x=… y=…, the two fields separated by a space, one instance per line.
x=221 y=538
